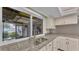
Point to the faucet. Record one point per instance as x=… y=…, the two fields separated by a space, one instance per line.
x=31 y=41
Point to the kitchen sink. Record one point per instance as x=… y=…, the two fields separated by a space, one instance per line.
x=39 y=41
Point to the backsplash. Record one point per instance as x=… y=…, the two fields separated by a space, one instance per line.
x=68 y=29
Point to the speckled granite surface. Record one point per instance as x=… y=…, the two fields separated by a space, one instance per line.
x=28 y=46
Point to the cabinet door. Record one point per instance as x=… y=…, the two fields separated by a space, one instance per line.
x=43 y=48
x=73 y=45
x=49 y=46
x=60 y=44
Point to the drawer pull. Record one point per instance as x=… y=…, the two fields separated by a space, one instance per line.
x=60 y=49
x=67 y=42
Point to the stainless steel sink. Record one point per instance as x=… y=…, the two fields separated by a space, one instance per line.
x=43 y=39
x=39 y=41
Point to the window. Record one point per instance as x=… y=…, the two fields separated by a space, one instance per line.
x=16 y=24
x=9 y=31
x=26 y=30
x=19 y=30
x=37 y=26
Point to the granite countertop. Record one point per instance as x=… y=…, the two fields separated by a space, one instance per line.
x=50 y=38
x=27 y=45
x=68 y=35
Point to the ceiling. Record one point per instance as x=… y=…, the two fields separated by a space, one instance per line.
x=54 y=11
x=48 y=11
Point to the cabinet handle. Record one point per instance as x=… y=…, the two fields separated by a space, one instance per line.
x=67 y=42
x=50 y=45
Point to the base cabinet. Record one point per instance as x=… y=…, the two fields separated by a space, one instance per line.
x=62 y=44
x=43 y=48
x=66 y=44
x=73 y=45
x=47 y=47
x=59 y=44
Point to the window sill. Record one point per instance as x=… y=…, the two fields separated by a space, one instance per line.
x=18 y=40
x=12 y=41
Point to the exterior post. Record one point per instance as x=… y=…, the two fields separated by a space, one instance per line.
x=1 y=24
x=31 y=27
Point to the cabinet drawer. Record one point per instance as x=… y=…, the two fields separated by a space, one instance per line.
x=49 y=46
x=43 y=48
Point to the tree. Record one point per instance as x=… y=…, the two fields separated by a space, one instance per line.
x=6 y=35
x=12 y=35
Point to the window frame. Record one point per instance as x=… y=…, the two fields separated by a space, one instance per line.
x=3 y=29
x=22 y=28
x=22 y=24
x=35 y=23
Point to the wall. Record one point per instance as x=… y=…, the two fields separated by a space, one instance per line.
x=0 y=24
x=44 y=25
x=68 y=29
x=50 y=24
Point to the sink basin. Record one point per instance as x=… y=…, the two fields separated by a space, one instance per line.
x=39 y=41
x=43 y=39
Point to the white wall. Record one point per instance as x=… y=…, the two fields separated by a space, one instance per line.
x=0 y=24
x=68 y=29
x=50 y=24
x=44 y=25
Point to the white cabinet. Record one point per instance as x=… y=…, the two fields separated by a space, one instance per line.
x=68 y=10
x=59 y=44
x=62 y=44
x=43 y=49
x=66 y=44
x=49 y=46
x=72 y=19
x=61 y=22
x=73 y=44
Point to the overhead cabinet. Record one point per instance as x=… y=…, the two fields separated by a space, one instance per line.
x=66 y=20
x=68 y=10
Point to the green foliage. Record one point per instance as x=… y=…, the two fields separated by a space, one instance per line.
x=12 y=35
x=5 y=35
